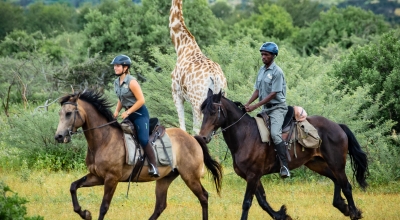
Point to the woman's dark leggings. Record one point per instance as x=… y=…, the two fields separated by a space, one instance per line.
x=140 y=119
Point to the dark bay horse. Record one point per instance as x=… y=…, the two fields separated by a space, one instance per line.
x=105 y=157
x=252 y=158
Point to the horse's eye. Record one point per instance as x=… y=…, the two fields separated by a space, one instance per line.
x=68 y=114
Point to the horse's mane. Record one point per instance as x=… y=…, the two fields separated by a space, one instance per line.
x=208 y=103
x=97 y=100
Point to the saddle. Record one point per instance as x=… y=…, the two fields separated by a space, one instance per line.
x=295 y=127
x=154 y=124
x=287 y=122
x=160 y=143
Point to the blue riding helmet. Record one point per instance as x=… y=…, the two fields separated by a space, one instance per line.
x=122 y=60
x=270 y=47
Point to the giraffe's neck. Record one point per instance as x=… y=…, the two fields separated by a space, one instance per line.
x=181 y=37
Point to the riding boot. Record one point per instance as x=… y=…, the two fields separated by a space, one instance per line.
x=281 y=153
x=151 y=158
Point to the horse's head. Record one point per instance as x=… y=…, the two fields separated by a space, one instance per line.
x=214 y=115
x=71 y=118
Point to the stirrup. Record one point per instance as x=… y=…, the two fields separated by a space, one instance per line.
x=153 y=171
x=284 y=172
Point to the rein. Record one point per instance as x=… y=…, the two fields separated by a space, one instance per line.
x=224 y=129
x=70 y=131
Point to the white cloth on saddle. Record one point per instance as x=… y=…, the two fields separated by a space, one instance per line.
x=299 y=113
x=262 y=128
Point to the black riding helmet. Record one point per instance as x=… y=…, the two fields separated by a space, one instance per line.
x=122 y=60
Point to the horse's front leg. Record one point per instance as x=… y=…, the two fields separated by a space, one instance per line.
x=252 y=182
x=110 y=185
x=86 y=181
x=262 y=201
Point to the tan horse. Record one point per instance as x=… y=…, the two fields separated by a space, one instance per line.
x=105 y=157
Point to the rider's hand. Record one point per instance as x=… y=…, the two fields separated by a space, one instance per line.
x=124 y=115
x=116 y=115
x=250 y=108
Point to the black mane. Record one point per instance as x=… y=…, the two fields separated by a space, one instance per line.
x=208 y=103
x=97 y=100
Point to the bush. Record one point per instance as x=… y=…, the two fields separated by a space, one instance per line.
x=376 y=64
x=29 y=138
x=13 y=207
x=347 y=27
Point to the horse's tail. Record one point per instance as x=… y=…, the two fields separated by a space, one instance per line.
x=359 y=160
x=213 y=166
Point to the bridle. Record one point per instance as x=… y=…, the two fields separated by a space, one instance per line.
x=70 y=131
x=214 y=132
x=220 y=109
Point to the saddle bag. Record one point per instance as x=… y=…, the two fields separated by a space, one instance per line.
x=307 y=135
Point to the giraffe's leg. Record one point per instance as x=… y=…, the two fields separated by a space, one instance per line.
x=196 y=119
x=178 y=100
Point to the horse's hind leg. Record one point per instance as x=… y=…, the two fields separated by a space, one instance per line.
x=194 y=184
x=320 y=166
x=162 y=186
x=262 y=201
x=347 y=191
x=86 y=181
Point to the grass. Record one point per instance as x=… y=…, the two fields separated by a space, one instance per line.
x=48 y=195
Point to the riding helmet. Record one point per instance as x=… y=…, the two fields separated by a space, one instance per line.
x=122 y=60
x=270 y=47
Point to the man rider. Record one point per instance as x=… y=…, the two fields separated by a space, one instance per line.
x=270 y=89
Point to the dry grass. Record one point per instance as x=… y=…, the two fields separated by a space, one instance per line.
x=48 y=195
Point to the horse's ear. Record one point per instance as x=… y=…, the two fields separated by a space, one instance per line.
x=219 y=95
x=210 y=92
x=75 y=97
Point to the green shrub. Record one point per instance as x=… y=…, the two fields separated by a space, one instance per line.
x=376 y=64
x=13 y=207
x=29 y=138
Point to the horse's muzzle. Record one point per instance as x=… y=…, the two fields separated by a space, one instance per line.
x=207 y=138
x=62 y=138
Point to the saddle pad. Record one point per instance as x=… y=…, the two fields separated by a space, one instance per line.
x=264 y=132
x=164 y=156
x=133 y=153
x=130 y=149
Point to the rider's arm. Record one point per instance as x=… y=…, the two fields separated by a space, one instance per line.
x=117 y=109
x=252 y=98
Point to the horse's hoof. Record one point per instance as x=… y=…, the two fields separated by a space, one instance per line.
x=356 y=215
x=88 y=215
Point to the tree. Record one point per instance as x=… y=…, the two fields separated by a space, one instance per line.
x=221 y=10
x=136 y=28
x=272 y=20
x=376 y=64
x=303 y=12
x=342 y=26
x=50 y=19
x=11 y=18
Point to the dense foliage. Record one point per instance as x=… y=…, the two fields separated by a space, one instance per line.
x=376 y=64
x=12 y=206
x=341 y=63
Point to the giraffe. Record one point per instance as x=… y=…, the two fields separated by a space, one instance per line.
x=194 y=73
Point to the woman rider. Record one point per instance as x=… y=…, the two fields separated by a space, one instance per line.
x=130 y=97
